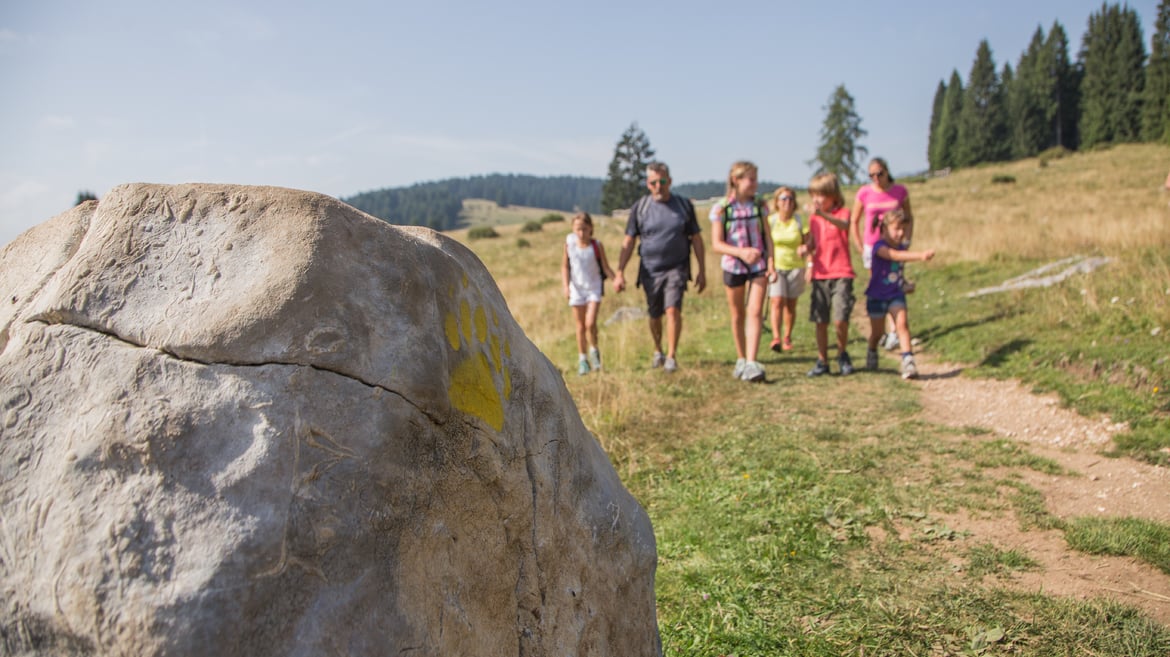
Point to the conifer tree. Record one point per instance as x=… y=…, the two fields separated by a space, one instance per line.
x=1063 y=107
x=935 y=116
x=1006 y=89
x=1028 y=96
x=982 y=121
x=942 y=149
x=625 y=181
x=1006 y=77
x=840 y=152
x=1112 y=56
x=1156 y=104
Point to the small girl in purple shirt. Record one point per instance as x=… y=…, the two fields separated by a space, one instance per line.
x=886 y=293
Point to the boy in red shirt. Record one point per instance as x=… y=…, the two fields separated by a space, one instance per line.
x=830 y=271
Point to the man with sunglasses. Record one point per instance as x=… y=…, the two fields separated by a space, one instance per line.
x=666 y=225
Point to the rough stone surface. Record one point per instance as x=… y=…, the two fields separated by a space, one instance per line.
x=255 y=421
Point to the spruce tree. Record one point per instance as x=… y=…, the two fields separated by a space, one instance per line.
x=1130 y=61
x=1156 y=104
x=935 y=116
x=1006 y=90
x=1112 y=56
x=942 y=149
x=1028 y=95
x=1063 y=106
x=982 y=121
x=625 y=180
x=840 y=152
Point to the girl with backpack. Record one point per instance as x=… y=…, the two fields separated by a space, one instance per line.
x=584 y=269
x=789 y=248
x=739 y=231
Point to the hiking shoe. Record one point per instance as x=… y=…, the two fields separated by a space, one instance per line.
x=582 y=367
x=820 y=368
x=909 y=369
x=776 y=345
x=890 y=341
x=845 y=364
x=657 y=360
x=753 y=372
x=737 y=373
x=787 y=344
x=670 y=365
x=871 y=360
x=595 y=359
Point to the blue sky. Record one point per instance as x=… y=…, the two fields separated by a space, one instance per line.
x=343 y=97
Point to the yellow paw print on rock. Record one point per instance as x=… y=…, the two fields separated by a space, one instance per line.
x=480 y=383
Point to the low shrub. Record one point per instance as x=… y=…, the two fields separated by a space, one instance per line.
x=1002 y=179
x=532 y=227
x=552 y=218
x=522 y=243
x=1054 y=153
x=482 y=232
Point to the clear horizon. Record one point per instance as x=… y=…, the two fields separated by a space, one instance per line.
x=360 y=96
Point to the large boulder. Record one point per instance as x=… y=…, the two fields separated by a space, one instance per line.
x=255 y=421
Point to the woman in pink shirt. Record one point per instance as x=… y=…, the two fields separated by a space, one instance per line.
x=874 y=200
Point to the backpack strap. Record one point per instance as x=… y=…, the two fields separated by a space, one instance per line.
x=689 y=208
x=765 y=246
x=597 y=256
x=638 y=210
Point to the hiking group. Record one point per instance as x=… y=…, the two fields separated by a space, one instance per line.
x=767 y=250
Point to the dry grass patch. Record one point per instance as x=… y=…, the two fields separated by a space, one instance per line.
x=1096 y=202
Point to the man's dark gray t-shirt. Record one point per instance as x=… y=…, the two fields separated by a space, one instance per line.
x=665 y=230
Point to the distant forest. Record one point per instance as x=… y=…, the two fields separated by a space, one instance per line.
x=437 y=204
x=1048 y=103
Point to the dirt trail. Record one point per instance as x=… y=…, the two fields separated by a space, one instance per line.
x=1101 y=486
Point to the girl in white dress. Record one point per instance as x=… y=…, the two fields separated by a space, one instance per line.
x=584 y=269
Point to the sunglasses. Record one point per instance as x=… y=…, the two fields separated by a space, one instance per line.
x=785 y=197
x=877 y=175
x=660 y=181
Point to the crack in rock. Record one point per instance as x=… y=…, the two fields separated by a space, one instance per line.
x=48 y=321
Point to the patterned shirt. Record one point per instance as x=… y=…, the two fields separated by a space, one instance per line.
x=743 y=230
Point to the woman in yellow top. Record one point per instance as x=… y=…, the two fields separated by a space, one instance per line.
x=790 y=249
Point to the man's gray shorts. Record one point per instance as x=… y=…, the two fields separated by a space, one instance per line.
x=664 y=290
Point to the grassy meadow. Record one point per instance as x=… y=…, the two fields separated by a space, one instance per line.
x=478 y=212
x=810 y=517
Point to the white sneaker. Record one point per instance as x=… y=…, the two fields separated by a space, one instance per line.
x=909 y=369
x=595 y=359
x=737 y=373
x=657 y=360
x=753 y=372
x=670 y=365
x=890 y=341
